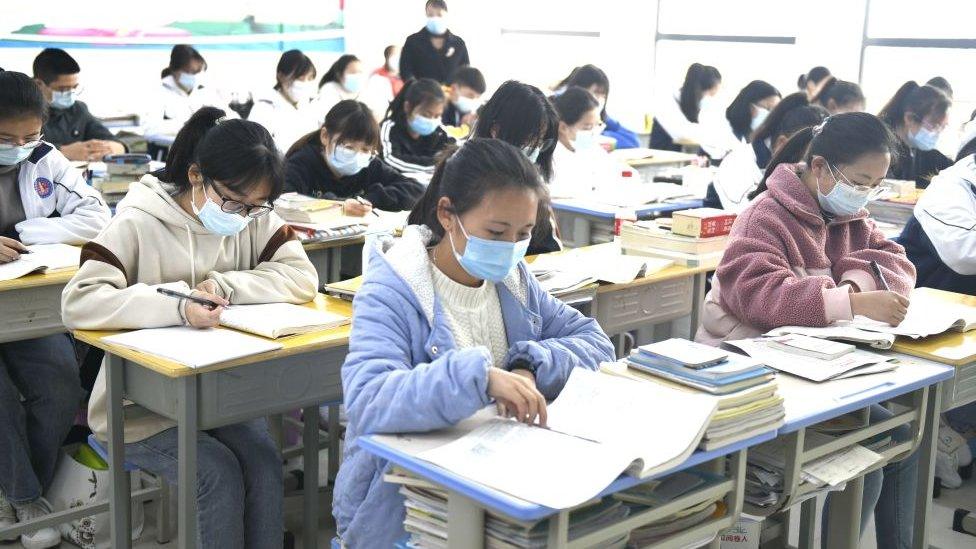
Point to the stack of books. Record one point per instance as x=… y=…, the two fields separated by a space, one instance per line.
x=316 y=214
x=693 y=238
x=746 y=389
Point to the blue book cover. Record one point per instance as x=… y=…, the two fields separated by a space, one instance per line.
x=736 y=369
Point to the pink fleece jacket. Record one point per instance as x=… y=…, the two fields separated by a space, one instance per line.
x=787 y=266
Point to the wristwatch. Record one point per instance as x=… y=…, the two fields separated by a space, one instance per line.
x=521 y=364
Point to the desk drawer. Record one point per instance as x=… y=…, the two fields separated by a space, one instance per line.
x=961 y=389
x=30 y=312
x=642 y=306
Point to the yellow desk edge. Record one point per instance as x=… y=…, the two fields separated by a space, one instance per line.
x=36 y=280
x=952 y=348
x=337 y=243
x=294 y=345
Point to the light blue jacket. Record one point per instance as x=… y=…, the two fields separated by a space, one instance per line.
x=404 y=374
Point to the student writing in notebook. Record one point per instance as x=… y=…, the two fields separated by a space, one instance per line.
x=579 y=163
x=801 y=254
x=339 y=162
x=411 y=134
x=917 y=115
x=205 y=224
x=43 y=200
x=345 y=79
x=183 y=90
x=448 y=321
x=595 y=81
x=288 y=109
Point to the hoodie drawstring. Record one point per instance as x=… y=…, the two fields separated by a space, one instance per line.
x=193 y=256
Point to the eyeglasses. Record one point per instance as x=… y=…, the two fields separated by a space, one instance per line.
x=230 y=205
x=33 y=144
x=872 y=192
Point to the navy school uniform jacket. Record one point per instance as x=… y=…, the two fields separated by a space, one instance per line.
x=74 y=124
x=405 y=154
x=940 y=238
x=919 y=166
x=419 y=59
x=308 y=174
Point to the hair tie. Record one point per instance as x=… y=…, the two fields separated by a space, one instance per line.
x=220 y=120
x=819 y=128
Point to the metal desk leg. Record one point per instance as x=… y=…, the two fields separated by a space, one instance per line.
x=697 y=300
x=465 y=522
x=120 y=504
x=845 y=515
x=335 y=264
x=334 y=442
x=558 y=531
x=187 y=423
x=310 y=443
x=926 y=467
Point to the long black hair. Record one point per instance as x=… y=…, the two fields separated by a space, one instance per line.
x=466 y=174
x=20 y=96
x=521 y=115
x=418 y=92
x=739 y=112
x=770 y=127
x=941 y=83
x=586 y=77
x=921 y=101
x=842 y=92
x=816 y=75
x=840 y=139
x=239 y=153
x=294 y=64
x=699 y=79
x=573 y=103
x=335 y=72
x=180 y=58
x=349 y=121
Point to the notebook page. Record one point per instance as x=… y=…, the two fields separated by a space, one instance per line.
x=278 y=319
x=192 y=347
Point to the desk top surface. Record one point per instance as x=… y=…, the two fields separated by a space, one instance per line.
x=35 y=280
x=953 y=348
x=292 y=345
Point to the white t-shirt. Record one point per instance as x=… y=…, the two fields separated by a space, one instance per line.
x=577 y=173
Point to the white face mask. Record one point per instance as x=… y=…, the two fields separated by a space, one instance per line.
x=761 y=114
x=394 y=63
x=301 y=90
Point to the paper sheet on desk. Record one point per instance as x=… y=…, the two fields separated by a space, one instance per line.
x=857 y=363
x=840 y=332
x=193 y=347
x=603 y=262
x=926 y=316
x=43 y=258
x=631 y=195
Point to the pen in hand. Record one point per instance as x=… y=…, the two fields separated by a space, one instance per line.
x=881 y=278
x=366 y=203
x=205 y=302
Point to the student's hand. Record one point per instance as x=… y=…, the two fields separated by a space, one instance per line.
x=208 y=286
x=883 y=306
x=76 y=151
x=98 y=148
x=356 y=208
x=201 y=316
x=517 y=396
x=10 y=249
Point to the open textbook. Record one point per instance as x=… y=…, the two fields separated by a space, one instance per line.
x=43 y=258
x=274 y=320
x=855 y=363
x=599 y=427
x=193 y=347
x=603 y=262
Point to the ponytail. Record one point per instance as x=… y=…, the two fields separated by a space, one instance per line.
x=841 y=91
x=816 y=75
x=921 y=101
x=770 y=127
x=790 y=153
x=417 y=92
x=698 y=79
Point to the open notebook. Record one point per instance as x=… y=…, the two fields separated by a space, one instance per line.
x=856 y=363
x=44 y=258
x=599 y=427
x=274 y=320
x=193 y=347
x=926 y=316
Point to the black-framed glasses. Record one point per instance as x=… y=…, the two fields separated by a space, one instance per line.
x=230 y=205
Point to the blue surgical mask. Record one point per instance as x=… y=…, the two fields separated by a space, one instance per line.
x=188 y=81
x=437 y=25
x=924 y=139
x=489 y=260
x=532 y=153
x=63 y=99
x=760 y=117
x=347 y=161
x=843 y=200
x=465 y=104
x=14 y=155
x=584 y=140
x=353 y=82
x=424 y=125
x=216 y=220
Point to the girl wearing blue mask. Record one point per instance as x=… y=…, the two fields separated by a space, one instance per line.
x=183 y=91
x=594 y=80
x=580 y=165
x=345 y=79
x=448 y=321
x=917 y=115
x=203 y=225
x=339 y=162
x=411 y=135
x=289 y=110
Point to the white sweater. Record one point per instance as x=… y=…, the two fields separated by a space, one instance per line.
x=475 y=315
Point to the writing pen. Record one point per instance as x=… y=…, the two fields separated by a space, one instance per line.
x=365 y=203
x=881 y=278
x=202 y=301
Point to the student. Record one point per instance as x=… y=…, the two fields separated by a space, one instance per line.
x=942 y=84
x=800 y=256
x=676 y=117
x=811 y=82
x=338 y=162
x=345 y=79
x=839 y=96
x=384 y=84
x=70 y=127
x=750 y=108
x=579 y=164
x=204 y=225
x=288 y=110
x=182 y=92
x=434 y=51
x=763 y=138
x=917 y=115
x=521 y=115
x=592 y=78
x=411 y=134
x=449 y=320
x=43 y=200
x=464 y=97
x=390 y=70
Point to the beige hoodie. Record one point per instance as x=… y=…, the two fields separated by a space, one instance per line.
x=153 y=242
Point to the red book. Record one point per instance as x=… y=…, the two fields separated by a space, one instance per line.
x=702 y=222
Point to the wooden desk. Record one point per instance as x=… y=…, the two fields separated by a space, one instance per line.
x=304 y=374
x=31 y=305
x=327 y=256
x=952 y=348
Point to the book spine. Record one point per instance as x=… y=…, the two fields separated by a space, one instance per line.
x=702 y=227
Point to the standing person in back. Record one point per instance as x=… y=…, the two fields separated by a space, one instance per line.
x=433 y=51
x=917 y=115
x=288 y=110
x=411 y=134
x=43 y=200
x=345 y=79
x=70 y=127
x=183 y=90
